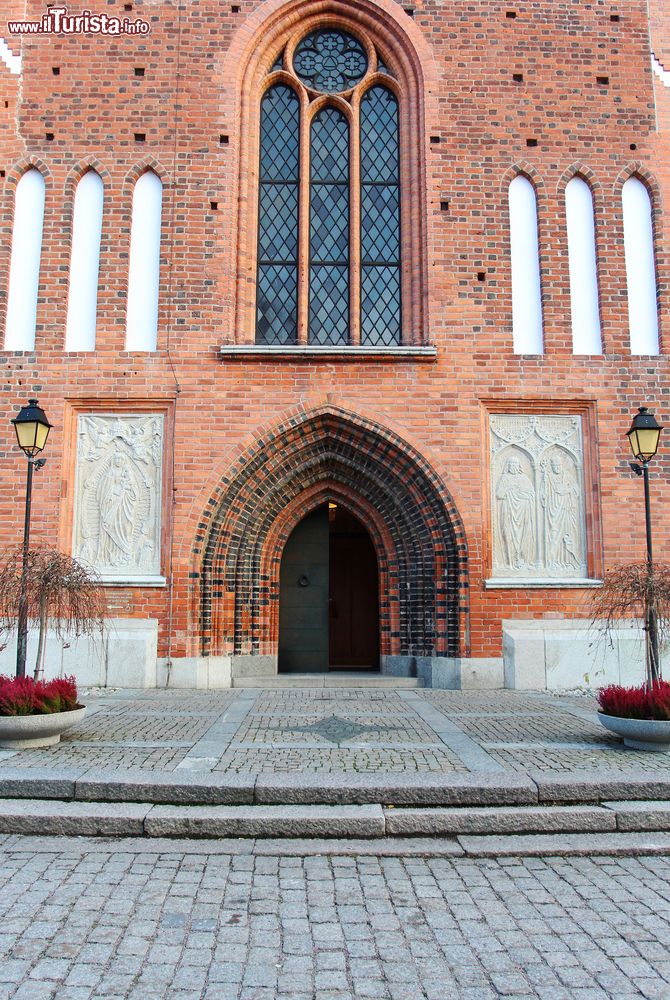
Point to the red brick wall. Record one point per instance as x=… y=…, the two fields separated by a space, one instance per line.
x=484 y=119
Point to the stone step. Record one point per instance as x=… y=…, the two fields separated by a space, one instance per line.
x=337 y=680
x=567 y=845
x=484 y=831
x=642 y=801
x=502 y=820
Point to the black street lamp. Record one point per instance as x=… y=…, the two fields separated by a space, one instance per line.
x=644 y=435
x=32 y=430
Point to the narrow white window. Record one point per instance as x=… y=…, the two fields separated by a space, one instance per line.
x=143 y=273
x=640 y=267
x=24 y=268
x=584 y=304
x=526 y=288
x=84 y=264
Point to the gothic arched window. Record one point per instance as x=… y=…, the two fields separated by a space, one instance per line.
x=329 y=268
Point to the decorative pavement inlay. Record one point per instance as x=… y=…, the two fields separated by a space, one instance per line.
x=264 y=731
x=333 y=728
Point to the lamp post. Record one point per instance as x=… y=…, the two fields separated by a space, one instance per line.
x=32 y=430
x=644 y=435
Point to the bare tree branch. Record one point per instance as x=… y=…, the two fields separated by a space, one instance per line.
x=61 y=591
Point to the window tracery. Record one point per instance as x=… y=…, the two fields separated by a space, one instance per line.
x=329 y=262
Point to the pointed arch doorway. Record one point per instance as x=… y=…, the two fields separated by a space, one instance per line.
x=329 y=595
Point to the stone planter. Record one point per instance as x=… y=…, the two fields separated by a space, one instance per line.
x=21 y=732
x=639 y=734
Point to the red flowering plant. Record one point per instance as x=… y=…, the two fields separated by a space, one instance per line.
x=25 y=696
x=636 y=702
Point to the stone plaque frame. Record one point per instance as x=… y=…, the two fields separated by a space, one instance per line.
x=150 y=570
x=584 y=568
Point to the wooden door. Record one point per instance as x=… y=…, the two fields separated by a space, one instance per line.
x=354 y=601
x=303 y=597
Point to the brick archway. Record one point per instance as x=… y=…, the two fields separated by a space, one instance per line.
x=330 y=454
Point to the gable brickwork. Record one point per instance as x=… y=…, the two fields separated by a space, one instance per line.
x=553 y=91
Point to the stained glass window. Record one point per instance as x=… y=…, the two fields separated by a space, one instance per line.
x=330 y=61
x=380 y=219
x=329 y=229
x=277 y=285
x=307 y=290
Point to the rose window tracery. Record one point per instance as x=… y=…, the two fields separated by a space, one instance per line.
x=330 y=61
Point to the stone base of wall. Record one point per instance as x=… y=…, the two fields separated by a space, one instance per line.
x=204 y=673
x=560 y=654
x=250 y=665
x=460 y=673
x=124 y=656
x=570 y=653
x=397 y=666
x=451 y=673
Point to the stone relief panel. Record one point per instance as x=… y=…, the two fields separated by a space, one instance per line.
x=118 y=489
x=537 y=502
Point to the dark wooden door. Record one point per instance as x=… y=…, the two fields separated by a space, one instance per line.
x=354 y=602
x=303 y=597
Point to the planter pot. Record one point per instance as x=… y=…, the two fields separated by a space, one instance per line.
x=639 y=734
x=20 y=732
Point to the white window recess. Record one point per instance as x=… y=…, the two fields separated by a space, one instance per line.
x=24 y=268
x=640 y=268
x=84 y=263
x=144 y=268
x=526 y=285
x=584 y=299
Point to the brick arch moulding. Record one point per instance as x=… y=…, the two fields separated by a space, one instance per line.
x=331 y=454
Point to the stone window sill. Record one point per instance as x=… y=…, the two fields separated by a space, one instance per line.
x=546 y=584
x=295 y=352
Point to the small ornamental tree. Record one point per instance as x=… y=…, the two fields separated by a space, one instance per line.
x=62 y=594
x=636 y=590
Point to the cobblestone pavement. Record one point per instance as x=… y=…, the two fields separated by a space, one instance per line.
x=97 y=921
x=252 y=731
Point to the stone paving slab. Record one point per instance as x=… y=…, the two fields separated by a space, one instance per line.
x=119 y=786
x=75 y=819
x=585 y=786
x=397 y=789
x=48 y=784
x=265 y=821
x=566 y=844
x=157 y=846
x=352 y=847
x=644 y=815
x=503 y=820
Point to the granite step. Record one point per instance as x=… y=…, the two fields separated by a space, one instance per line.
x=641 y=800
x=491 y=830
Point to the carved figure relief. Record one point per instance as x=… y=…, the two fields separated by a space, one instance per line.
x=516 y=515
x=537 y=477
x=118 y=494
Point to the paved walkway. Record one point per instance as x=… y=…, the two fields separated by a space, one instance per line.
x=189 y=922
x=262 y=919
x=353 y=730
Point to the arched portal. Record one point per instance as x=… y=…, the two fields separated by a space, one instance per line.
x=321 y=456
x=329 y=595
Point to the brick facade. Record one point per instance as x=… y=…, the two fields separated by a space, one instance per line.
x=253 y=441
